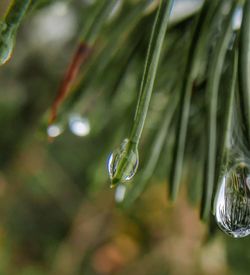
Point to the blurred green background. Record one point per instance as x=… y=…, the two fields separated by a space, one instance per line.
x=58 y=214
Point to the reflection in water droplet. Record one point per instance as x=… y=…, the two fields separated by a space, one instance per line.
x=79 y=125
x=120 y=193
x=232 y=203
x=54 y=130
x=123 y=163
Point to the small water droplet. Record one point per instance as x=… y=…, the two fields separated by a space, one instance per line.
x=6 y=51
x=120 y=193
x=232 y=203
x=123 y=163
x=237 y=18
x=79 y=125
x=7 y=41
x=54 y=130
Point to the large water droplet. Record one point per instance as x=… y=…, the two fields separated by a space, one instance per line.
x=232 y=203
x=123 y=163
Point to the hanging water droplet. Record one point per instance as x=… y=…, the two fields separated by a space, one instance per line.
x=54 y=130
x=120 y=193
x=7 y=41
x=237 y=18
x=232 y=203
x=123 y=163
x=79 y=126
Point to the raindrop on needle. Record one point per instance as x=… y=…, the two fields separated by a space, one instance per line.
x=54 y=130
x=79 y=126
x=123 y=163
x=232 y=203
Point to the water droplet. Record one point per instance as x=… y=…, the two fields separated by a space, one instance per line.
x=54 y=130
x=237 y=18
x=52 y=26
x=120 y=193
x=123 y=163
x=7 y=41
x=79 y=125
x=232 y=203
